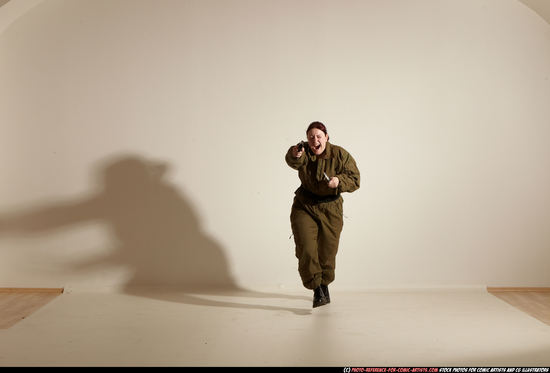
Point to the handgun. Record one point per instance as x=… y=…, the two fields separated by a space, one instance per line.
x=300 y=146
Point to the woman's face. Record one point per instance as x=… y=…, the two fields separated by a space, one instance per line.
x=317 y=140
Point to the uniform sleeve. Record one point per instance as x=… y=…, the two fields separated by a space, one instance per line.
x=349 y=177
x=294 y=162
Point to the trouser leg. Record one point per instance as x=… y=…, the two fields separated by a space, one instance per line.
x=330 y=226
x=305 y=230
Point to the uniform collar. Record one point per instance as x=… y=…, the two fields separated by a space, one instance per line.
x=328 y=151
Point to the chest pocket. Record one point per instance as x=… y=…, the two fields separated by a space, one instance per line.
x=331 y=167
x=316 y=170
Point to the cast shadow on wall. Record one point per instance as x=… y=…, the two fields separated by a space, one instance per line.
x=157 y=237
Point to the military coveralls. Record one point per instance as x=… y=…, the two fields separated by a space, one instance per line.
x=317 y=211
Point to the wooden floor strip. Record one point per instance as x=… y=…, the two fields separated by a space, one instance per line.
x=517 y=289
x=31 y=290
x=17 y=304
x=535 y=303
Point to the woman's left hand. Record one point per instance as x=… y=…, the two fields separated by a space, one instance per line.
x=333 y=182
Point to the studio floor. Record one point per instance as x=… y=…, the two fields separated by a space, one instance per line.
x=423 y=328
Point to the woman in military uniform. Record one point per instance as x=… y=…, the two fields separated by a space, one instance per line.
x=325 y=171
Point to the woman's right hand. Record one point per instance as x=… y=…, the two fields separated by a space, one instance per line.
x=297 y=153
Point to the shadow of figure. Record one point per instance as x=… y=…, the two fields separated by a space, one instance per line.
x=158 y=237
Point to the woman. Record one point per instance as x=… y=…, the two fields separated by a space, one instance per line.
x=325 y=171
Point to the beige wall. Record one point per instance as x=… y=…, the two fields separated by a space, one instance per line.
x=143 y=141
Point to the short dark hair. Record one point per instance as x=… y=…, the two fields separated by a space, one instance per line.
x=319 y=126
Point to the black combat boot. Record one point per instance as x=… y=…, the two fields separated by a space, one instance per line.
x=319 y=298
x=325 y=292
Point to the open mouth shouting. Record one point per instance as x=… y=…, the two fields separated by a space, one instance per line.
x=318 y=147
x=317 y=140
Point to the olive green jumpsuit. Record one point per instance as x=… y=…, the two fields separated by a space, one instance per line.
x=317 y=211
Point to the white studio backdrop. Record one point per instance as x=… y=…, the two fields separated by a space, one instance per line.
x=143 y=140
